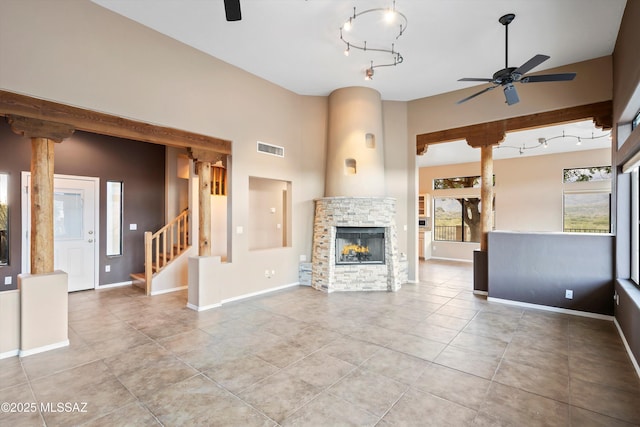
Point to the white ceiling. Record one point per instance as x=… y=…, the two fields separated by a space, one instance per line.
x=296 y=44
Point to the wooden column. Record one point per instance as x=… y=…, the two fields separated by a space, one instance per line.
x=43 y=135
x=41 y=205
x=486 y=193
x=203 y=170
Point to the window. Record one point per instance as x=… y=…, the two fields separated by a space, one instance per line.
x=635 y=226
x=458 y=182
x=4 y=219
x=457 y=219
x=636 y=121
x=591 y=174
x=587 y=200
x=587 y=212
x=114 y=218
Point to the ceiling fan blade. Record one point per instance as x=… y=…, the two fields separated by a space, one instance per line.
x=473 y=79
x=549 y=78
x=530 y=64
x=232 y=10
x=476 y=94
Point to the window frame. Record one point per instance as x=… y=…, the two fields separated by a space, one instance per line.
x=566 y=192
x=7 y=238
x=109 y=223
x=635 y=226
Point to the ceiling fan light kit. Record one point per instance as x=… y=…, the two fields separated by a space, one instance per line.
x=509 y=75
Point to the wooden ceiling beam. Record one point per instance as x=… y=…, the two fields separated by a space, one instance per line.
x=12 y=104
x=492 y=133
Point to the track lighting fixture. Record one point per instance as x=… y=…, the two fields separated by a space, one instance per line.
x=391 y=17
x=368 y=74
x=544 y=142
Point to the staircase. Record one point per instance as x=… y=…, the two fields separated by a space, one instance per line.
x=161 y=248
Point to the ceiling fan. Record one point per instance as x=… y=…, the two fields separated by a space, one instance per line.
x=509 y=75
x=232 y=10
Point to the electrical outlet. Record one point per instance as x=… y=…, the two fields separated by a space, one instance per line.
x=133 y=227
x=568 y=294
x=267 y=274
x=107 y=268
x=7 y=280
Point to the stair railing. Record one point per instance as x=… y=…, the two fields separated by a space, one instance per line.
x=161 y=247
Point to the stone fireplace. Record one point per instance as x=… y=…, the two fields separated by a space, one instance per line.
x=355 y=243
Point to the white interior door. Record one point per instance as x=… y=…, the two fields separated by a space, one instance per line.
x=75 y=228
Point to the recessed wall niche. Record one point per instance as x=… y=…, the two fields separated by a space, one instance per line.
x=370 y=140
x=350 y=166
x=269 y=213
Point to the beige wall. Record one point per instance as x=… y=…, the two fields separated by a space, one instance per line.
x=10 y=321
x=528 y=192
x=95 y=59
x=398 y=154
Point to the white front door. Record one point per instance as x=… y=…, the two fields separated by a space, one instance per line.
x=75 y=228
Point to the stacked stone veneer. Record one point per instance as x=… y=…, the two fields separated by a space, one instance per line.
x=332 y=212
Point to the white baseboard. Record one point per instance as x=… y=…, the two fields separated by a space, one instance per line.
x=254 y=294
x=626 y=345
x=240 y=297
x=10 y=353
x=25 y=353
x=554 y=309
x=485 y=293
x=203 y=308
x=449 y=259
x=115 y=285
x=166 y=291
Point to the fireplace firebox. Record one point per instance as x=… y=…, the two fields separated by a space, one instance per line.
x=360 y=245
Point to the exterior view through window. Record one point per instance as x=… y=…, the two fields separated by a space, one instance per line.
x=457 y=219
x=586 y=205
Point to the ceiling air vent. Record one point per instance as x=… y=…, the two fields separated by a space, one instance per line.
x=274 y=150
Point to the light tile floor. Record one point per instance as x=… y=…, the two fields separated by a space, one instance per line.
x=430 y=354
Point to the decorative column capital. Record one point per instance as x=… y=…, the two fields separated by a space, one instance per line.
x=37 y=128
x=201 y=155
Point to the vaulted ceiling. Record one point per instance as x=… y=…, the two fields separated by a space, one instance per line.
x=295 y=44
